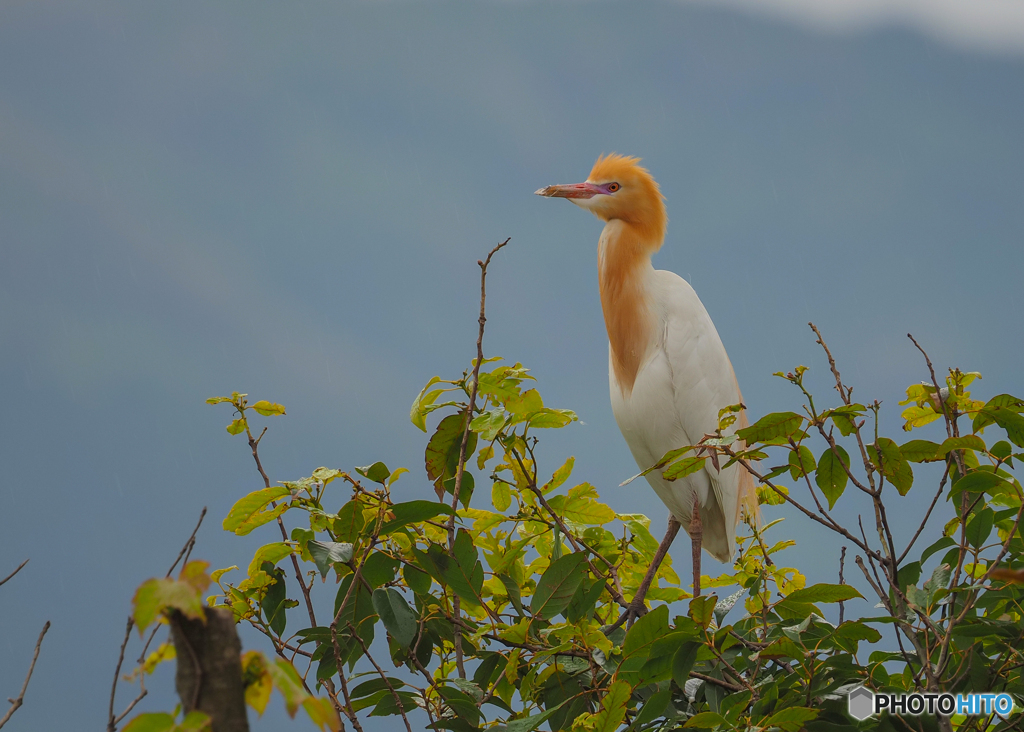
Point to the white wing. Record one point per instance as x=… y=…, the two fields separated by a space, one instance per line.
x=685 y=380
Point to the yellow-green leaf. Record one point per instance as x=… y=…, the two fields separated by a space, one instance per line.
x=267 y=409
x=248 y=513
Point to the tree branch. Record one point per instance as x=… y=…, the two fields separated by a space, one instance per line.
x=16 y=703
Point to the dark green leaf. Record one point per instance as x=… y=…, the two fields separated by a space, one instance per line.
x=682 y=662
x=326 y=553
x=378 y=472
x=979 y=527
x=938 y=546
x=273 y=602
x=645 y=632
x=412 y=512
x=514 y=595
x=399 y=619
x=419 y=582
x=557 y=585
x=379 y=569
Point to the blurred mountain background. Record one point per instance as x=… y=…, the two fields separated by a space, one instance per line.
x=289 y=200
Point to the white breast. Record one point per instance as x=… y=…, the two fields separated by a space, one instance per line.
x=686 y=377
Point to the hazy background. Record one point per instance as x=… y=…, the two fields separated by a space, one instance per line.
x=197 y=198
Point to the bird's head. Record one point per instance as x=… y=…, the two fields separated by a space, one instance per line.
x=618 y=188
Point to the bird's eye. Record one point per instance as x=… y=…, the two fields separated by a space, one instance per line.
x=612 y=187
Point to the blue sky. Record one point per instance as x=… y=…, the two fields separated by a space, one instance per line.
x=199 y=198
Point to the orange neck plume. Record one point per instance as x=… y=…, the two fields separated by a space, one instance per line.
x=624 y=263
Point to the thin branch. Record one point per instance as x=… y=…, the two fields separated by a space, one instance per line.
x=112 y=720
x=636 y=607
x=461 y=467
x=4 y=580
x=16 y=703
x=384 y=676
x=842 y=561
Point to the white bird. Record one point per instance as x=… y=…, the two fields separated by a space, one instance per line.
x=668 y=370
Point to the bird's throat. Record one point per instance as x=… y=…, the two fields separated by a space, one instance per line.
x=624 y=266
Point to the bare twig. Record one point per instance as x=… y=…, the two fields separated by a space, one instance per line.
x=842 y=561
x=16 y=703
x=14 y=572
x=384 y=676
x=461 y=467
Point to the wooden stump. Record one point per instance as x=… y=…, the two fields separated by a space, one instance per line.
x=209 y=676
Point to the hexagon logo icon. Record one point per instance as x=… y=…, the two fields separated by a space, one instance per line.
x=860 y=703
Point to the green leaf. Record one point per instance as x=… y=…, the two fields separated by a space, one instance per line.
x=379 y=569
x=559 y=477
x=151 y=722
x=684 y=467
x=418 y=581
x=399 y=619
x=652 y=709
x=646 y=631
x=287 y=681
x=824 y=593
x=349 y=524
x=513 y=592
x=705 y=720
x=274 y=599
x=979 y=527
x=980 y=481
x=801 y=462
x=831 y=476
x=967 y=442
x=557 y=585
x=702 y=609
x=267 y=409
x=326 y=553
x=920 y=451
x=237 y=427
x=418 y=412
x=525 y=403
x=442 y=453
x=488 y=424
x=248 y=511
x=790 y=719
x=156 y=595
x=887 y=457
x=552 y=418
x=613 y=706
x=779 y=425
x=378 y=472
x=850 y=633
x=501 y=495
x=273 y=553
x=412 y=512
x=528 y=724
x=682 y=662
x=942 y=543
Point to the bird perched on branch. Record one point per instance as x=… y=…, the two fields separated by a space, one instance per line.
x=668 y=370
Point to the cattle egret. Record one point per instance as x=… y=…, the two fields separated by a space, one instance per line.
x=668 y=370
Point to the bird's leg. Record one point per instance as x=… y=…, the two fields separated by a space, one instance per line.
x=636 y=606
x=696 y=537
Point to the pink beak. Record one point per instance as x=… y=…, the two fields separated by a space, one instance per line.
x=574 y=190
